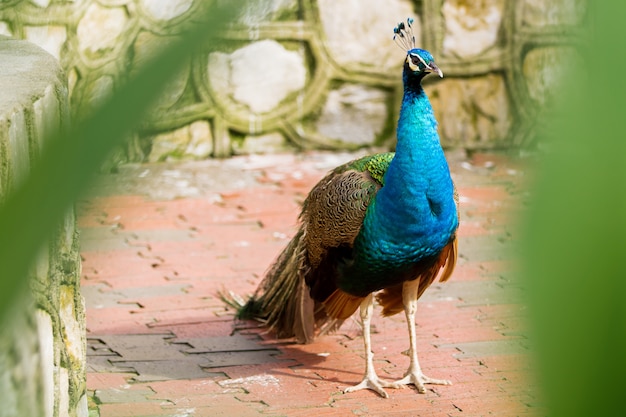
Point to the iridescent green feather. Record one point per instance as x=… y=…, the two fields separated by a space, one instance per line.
x=376 y=165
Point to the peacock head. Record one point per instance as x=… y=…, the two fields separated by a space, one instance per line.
x=418 y=61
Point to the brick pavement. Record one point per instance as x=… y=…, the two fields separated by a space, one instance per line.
x=159 y=242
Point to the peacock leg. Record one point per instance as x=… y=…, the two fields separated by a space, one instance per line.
x=414 y=373
x=370 y=380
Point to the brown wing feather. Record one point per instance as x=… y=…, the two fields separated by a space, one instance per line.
x=333 y=212
x=331 y=217
x=341 y=305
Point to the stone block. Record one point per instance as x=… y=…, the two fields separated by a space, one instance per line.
x=50 y=38
x=82 y=409
x=272 y=142
x=165 y=9
x=21 y=385
x=41 y=266
x=194 y=141
x=26 y=72
x=4 y=29
x=256 y=12
x=100 y=30
x=354 y=114
x=73 y=330
x=472 y=112
x=41 y=3
x=72 y=79
x=64 y=391
x=471 y=27
x=98 y=90
x=360 y=31
x=18 y=151
x=259 y=75
x=540 y=13
x=67 y=234
x=46 y=348
x=46 y=119
x=145 y=47
x=200 y=144
x=544 y=68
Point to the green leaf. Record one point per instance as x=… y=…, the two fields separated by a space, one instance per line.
x=576 y=234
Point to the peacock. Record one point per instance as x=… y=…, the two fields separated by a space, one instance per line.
x=382 y=226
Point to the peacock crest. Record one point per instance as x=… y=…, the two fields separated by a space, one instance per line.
x=418 y=60
x=403 y=35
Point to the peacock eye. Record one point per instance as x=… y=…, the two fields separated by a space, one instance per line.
x=414 y=62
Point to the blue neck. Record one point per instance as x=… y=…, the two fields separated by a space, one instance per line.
x=416 y=203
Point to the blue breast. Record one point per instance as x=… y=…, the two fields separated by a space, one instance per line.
x=414 y=215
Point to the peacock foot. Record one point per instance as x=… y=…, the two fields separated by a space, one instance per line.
x=418 y=379
x=374 y=383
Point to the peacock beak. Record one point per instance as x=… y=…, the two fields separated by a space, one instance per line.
x=434 y=68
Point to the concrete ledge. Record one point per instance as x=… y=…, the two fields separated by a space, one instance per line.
x=27 y=70
x=42 y=350
x=33 y=102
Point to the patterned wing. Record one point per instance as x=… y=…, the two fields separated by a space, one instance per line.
x=332 y=216
x=334 y=210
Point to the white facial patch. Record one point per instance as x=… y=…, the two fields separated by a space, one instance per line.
x=412 y=65
x=409 y=61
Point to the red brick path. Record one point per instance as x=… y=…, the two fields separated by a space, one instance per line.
x=159 y=242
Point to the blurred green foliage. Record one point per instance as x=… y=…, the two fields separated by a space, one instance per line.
x=576 y=231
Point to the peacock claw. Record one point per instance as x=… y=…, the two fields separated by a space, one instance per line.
x=419 y=380
x=375 y=384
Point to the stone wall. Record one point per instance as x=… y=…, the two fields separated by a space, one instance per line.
x=299 y=74
x=42 y=345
